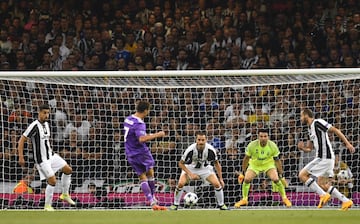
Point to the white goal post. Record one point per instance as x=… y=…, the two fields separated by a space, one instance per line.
x=88 y=108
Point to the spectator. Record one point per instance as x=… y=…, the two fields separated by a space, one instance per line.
x=80 y=125
x=23 y=186
x=60 y=120
x=258 y=115
x=215 y=138
x=236 y=141
x=344 y=179
x=92 y=151
x=165 y=144
x=250 y=59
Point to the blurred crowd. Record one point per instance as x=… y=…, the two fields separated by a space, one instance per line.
x=178 y=35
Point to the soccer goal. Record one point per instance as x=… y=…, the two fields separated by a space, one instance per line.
x=88 y=108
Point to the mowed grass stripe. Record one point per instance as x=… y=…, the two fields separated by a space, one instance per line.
x=182 y=217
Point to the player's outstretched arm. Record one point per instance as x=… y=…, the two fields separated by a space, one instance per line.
x=349 y=146
x=21 y=150
x=149 y=137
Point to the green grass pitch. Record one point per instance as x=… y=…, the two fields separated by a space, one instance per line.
x=182 y=217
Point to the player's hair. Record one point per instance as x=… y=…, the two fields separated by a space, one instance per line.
x=308 y=112
x=200 y=133
x=264 y=130
x=142 y=106
x=44 y=107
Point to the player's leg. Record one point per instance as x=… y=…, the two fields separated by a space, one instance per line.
x=273 y=175
x=65 y=182
x=250 y=174
x=47 y=173
x=151 y=181
x=183 y=180
x=325 y=184
x=143 y=166
x=49 y=193
x=316 y=169
x=146 y=188
x=219 y=193
x=140 y=170
x=58 y=163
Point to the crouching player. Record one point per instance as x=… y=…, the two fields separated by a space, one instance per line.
x=195 y=164
x=261 y=155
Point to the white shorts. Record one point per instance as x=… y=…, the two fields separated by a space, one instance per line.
x=202 y=172
x=321 y=167
x=49 y=167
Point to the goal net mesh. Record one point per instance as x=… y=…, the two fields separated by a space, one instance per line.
x=87 y=112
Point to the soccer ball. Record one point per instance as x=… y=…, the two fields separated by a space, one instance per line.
x=190 y=199
x=343 y=174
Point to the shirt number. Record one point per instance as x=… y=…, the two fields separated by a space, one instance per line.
x=126 y=133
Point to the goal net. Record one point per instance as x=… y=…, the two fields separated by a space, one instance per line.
x=88 y=109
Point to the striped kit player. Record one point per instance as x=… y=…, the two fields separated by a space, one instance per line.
x=322 y=167
x=46 y=161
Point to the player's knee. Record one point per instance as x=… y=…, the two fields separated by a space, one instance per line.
x=276 y=180
x=323 y=186
x=181 y=184
x=303 y=176
x=217 y=186
x=247 y=180
x=67 y=170
x=51 y=181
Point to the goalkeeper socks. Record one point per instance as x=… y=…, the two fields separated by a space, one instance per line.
x=335 y=193
x=245 y=190
x=311 y=183
x=49 y=193
x=177 y=195
x=147 y=191
x=151 y=182
x=65 y=182
x=219 y=193
x=280 y=187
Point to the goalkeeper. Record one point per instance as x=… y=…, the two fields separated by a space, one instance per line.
x=261 y=155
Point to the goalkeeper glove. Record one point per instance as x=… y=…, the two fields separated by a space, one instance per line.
x=241 y=178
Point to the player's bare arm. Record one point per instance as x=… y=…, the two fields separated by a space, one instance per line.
x=21 y=150
x=278 y=165
x=245 y=163
x=305 y=147
x=218 y=169
x=190 y=175
x=348 y=145
x=149 y=137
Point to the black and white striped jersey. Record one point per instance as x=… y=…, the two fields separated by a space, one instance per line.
x=39 y=133
x=319 y=136
x=200 y=158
